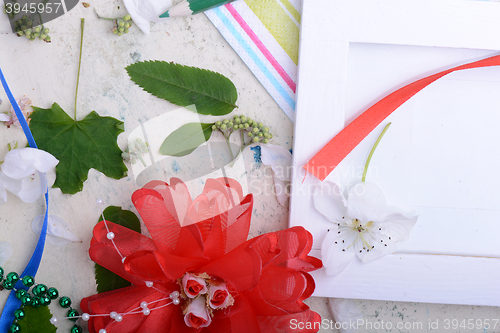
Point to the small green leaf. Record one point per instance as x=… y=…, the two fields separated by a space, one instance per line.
x=37 y=320
x=105 y=279
x=78 y=145
x=125 y=218
x=184 y=140
x=211 y=92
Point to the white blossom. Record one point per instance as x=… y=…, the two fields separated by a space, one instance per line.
x=361 y=225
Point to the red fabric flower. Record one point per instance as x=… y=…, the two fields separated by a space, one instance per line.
x=255 y=285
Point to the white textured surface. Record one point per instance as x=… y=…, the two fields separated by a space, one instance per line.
x=47 y=72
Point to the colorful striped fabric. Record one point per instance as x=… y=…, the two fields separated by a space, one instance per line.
x=265 y=34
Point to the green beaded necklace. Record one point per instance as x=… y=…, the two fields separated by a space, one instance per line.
x=36 y=296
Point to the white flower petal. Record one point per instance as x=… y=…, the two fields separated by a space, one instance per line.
x=398 y=227
x=4 y=117
x=345 y=310
x=139 y=20
x=14 y=167
x=279 y=159
x=58 y=231
x=385 y=235
x=366 y=202
x=23 y=162
x=32 y=187
x=330 y=201
x=11 y=185
x=334 y=259
x=38 y=159
x=5 y=252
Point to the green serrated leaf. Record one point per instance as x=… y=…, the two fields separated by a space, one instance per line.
x=105 y=279
x=211 y=92
x=37 y=320
x=184 y=140
x=78 y=145
x=125 y=218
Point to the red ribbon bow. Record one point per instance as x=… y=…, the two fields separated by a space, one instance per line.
x=265 y=276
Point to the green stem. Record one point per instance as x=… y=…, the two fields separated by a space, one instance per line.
x=229 y=146
x=242 y=141
x=104 y=18
x=372 y=151
x=79 y=63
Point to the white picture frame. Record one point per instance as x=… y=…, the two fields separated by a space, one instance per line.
x=341 y=73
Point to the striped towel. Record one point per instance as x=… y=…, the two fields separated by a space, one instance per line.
x=265 y=34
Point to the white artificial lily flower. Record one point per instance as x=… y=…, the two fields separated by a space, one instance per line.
x=345 y=312
x=280 y=160
x=26 y=173
x=58 y=231
x=361 y=226
x=143 y=12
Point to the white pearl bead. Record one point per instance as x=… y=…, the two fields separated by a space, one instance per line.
x=149 y=284
x=144 y=304
x=174 y=294
x=176 y=301
x=102 y=330
x=118 y=318
x=53 y=320
x=99 y=202
x=113 y=315
x=110 y=235
x=146 y=311
x=85 y=317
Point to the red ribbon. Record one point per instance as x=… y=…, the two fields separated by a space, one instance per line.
x=343 y=143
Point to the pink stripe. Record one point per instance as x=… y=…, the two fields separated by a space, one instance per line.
x=261 y=47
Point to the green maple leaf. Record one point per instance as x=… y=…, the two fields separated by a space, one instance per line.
x=37 y=320
x=78 y=145
x=105 y=279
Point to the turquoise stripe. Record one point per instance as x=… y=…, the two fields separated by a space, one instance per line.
x=289 y=100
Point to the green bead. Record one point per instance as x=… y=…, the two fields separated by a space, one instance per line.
x=72 y=313
x=40 y=290
x=76 y=329
x=53 y=293
x=14 y=328
x=256 y=139
x=36 y=302
x=255 y=130
x=28 y=281
x=19 y=314
x=13 y=277
x=26 y=300
x=8 y=285
x=45 y=300
x=20 y=293
x=65 y=302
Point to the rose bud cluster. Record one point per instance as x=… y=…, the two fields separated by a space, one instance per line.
x=204 y=295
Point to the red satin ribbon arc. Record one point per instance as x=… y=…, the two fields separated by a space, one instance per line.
x=343 y=143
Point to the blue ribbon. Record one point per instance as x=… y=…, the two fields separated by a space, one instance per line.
x=13 y=303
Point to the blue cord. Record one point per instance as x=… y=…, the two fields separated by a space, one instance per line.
x=7 y=316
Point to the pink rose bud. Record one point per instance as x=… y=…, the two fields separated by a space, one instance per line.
x=197 y=313
x=193 y=286
x=218 y=296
